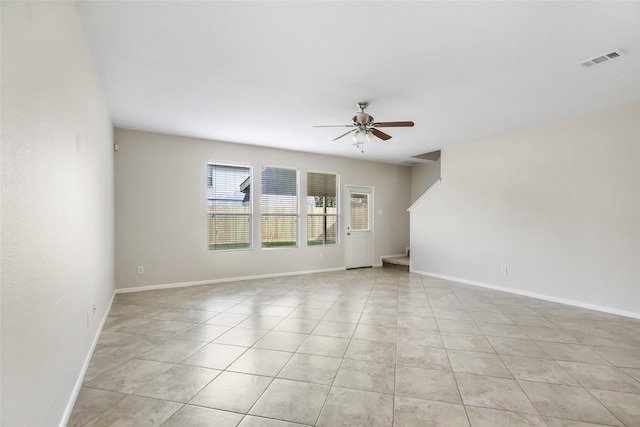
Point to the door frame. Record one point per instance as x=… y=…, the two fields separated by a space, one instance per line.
x=368 y=189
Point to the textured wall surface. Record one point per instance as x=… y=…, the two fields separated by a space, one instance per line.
x=557 y=204
x=161 y=210
x=57 y=210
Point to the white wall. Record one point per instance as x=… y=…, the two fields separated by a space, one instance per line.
x=558 y=204
x=57 y=210
x=161 y=206
x=422 y=178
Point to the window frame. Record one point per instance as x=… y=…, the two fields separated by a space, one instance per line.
x=325 y=214
x=295 y=215
x=249 y=215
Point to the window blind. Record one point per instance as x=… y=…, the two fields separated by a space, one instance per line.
x=359 y=204
x=322 y=208
x=279 y=206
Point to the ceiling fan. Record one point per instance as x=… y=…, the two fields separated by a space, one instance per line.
x=364 y=125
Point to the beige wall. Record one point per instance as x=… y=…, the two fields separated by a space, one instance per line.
x=57 y=210
x=557 y=204
x=161 y=207
x=423 y=176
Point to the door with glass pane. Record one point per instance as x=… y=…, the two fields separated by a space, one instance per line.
x=359 y=227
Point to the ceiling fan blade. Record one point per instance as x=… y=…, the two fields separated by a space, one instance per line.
x=383 y=136
x=344 y=134
x=333 y=126
x=392 y=124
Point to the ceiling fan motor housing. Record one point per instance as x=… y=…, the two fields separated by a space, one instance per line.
x=362 y=118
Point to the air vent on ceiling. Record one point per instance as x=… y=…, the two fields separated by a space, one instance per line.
x=602 y=58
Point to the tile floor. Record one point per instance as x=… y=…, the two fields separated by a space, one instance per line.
x=368 y=347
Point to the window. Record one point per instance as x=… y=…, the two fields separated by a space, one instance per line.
x=359 y=220
x=279 y=203
x=229 y=206
x=322 y=208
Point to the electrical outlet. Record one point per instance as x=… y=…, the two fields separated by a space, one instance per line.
x=140 y=269
x=503 y=269
x=94 y=308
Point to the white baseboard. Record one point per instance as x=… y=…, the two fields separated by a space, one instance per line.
x=544 y=297
x=85 y=366
x=224 y=280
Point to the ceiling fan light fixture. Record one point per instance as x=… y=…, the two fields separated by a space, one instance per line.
x=361 y=136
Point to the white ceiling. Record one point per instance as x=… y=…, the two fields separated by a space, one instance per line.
x=265 y=72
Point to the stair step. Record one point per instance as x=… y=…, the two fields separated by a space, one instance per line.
x=400 y=263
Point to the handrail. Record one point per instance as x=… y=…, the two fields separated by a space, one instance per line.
x=424 y=195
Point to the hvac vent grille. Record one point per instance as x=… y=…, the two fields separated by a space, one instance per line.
x=602 y=58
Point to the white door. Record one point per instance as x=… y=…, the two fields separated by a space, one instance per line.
x=359 y=227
